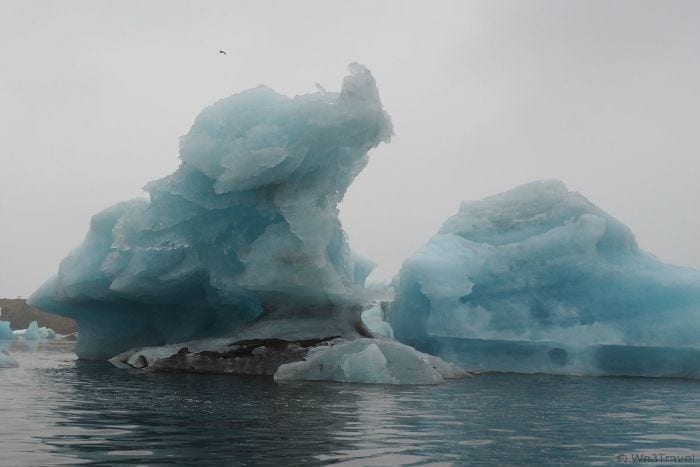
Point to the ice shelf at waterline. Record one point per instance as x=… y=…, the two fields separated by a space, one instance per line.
x=360 y=360
x=538 y=279
x=245 y=229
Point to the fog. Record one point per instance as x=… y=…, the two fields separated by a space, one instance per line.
x=484 y=95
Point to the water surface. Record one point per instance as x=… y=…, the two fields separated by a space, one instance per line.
x=58 y=410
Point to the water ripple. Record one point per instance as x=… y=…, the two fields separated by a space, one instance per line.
x=57 y=410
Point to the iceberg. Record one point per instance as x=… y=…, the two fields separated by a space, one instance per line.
x=46 y=333
x=539 y=279
x=374 y=317
x=34 y=332
x=246 y=230
x=29 y=334
x=6 y=361
x=5 y=330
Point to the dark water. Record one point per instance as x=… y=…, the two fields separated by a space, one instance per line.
x=57 y=410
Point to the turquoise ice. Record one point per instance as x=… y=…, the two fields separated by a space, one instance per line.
x=5 y=331
x=243 y=240
x=246 y=227
x=539 y=279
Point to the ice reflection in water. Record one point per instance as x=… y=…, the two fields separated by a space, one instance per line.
x=58 y=410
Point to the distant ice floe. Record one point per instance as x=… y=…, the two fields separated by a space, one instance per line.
x=7 y=335
x=34 y=332
x=5 y=331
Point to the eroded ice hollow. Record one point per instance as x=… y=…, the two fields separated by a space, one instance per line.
x=242 y=242
x=538 y=279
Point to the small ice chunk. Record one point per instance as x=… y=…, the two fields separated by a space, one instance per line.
x=34 y=332
x=46 y=333
x=377 y=361
x=5 y=331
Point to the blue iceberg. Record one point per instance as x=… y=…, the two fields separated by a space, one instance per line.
x=246 y=229
x=34 y=332
x=237 y=263
x=538 y=279
x=5 y=331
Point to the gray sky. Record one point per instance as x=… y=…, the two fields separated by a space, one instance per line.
x=484 y=95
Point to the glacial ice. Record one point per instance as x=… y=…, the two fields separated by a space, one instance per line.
x=538 y=279
x=374 y=317
x=245 y=229
x=237 y=263
x=6 y=335
x=359 y=360
x=223 y=355
x=5 y=331
x=375 y=361
x=34 y=332
x=30 y=334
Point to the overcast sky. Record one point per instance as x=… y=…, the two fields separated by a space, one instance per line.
x=485 y=95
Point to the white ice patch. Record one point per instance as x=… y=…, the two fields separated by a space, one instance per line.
x=34 y=332
x=376 y=361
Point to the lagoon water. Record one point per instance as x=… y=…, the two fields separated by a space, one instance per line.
x=56 y=409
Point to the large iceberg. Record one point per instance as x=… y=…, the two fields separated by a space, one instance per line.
x=538 y=279
x=246 y=229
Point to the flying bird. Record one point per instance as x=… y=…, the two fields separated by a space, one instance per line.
x=222 y=52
